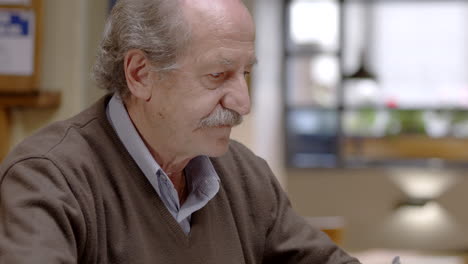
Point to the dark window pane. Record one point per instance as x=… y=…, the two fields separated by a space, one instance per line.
x=312 y=138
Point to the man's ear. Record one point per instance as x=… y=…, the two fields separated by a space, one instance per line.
x=137 y=72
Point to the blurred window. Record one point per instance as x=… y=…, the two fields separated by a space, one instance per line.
x=416 y=54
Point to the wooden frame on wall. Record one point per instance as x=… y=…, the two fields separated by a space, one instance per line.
x=14 y=84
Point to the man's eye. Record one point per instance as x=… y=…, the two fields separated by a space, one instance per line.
x=217 y=75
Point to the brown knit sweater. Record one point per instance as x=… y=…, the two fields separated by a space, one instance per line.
x=72 y=194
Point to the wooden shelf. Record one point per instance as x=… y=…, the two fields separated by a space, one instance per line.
x=34 y=100
x=407 y=147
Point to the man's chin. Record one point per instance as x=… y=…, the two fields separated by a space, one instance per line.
x=219 y=148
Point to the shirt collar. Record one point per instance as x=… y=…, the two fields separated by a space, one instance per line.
x=120 y=120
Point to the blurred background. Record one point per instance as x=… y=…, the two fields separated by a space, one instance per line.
x=360 y=108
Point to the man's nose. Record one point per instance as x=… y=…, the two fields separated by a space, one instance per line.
x=238 y=97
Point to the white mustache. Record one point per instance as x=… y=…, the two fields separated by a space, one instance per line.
x=221 y=117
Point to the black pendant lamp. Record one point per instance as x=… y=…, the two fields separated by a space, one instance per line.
x=363 y=72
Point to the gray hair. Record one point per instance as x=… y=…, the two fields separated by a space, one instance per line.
x=156 y=27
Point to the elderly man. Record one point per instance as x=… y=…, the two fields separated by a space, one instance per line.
x=148 y=174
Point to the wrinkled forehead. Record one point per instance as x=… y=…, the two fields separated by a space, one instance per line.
x=221 y=31
x=228 y=17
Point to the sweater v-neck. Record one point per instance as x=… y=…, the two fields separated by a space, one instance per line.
x=201 y=223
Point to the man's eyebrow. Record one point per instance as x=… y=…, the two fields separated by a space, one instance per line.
x=225 y=61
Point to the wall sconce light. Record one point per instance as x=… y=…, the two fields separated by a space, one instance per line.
x=413 y=202
x=422 y=187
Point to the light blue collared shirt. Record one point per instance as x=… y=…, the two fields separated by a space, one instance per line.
x=202 y=179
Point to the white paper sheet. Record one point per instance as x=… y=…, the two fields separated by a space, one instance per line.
x=16 y=42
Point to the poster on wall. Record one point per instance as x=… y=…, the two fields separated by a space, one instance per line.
x=16 y=42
